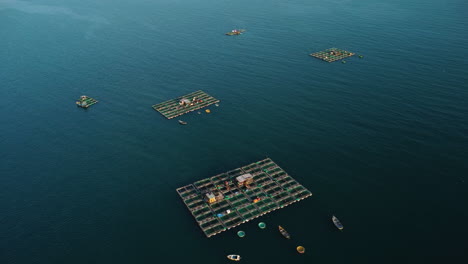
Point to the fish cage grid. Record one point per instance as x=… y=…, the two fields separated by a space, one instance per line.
x=172 y=108
x=272 y=187
x=332 y=54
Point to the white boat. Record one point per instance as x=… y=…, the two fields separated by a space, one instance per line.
x=337 y=223
x=284 y=232
x=234 y=257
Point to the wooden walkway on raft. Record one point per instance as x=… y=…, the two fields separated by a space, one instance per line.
x=332 y=54
x=172 y=108
x=275 y=188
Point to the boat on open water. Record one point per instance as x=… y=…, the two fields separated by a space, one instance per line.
x=234 y=257
x=235 y=32
x=284 y=232
x=337 y=223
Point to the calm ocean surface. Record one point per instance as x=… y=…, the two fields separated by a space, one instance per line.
x=382 y=141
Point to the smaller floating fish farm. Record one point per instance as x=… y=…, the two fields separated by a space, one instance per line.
x=229 y=199
x=86 y=101
x=332 y=54
x=185 y=104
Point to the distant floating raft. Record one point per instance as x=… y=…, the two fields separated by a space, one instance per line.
x=262 y=225
x=332 y=54
x=86 y=101
x=185 y=104
x=241 y=234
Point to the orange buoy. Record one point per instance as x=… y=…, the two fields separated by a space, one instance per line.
x=207 y=111
x=300 y=249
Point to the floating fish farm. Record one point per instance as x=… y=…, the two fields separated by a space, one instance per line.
x=185 y=104
x=229 y=199
x=332 y=54
x=86 y=101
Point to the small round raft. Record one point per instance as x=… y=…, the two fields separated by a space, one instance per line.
x=208 y=111
x=262 y=225
x=300 y=249
x=241 y=233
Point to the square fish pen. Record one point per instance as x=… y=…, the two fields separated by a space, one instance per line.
x=184 y=104
x=229 y=199
x=332 y=54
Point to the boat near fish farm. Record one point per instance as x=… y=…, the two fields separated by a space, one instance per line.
x=284 y=232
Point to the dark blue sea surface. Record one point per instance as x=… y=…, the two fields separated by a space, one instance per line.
x=382 y=141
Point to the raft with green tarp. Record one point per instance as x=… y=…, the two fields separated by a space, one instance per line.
x=185 y=104
x=271 y=188
x=332 y=54
x=86 y=101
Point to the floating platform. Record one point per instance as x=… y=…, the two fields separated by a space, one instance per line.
x=272 y=188
x=332 y=54
x=185 y=104
x=86 y=101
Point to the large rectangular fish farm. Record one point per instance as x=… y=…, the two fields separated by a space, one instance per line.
x=225 y=201
x=332 y=54
x=173 y=108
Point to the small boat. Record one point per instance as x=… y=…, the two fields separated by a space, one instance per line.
x=182 y=122
x=337 y=223
x=284 y=232
x=300 y=249
x=235 y=32
x=234 y=257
